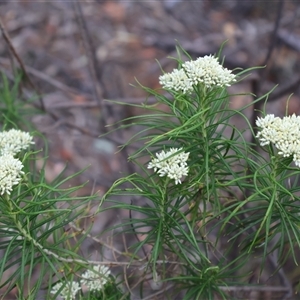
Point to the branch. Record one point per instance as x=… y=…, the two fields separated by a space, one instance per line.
x=90 y=53
x=22 y=66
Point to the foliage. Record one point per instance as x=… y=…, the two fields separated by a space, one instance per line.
x=238 y=199
x=211 y=200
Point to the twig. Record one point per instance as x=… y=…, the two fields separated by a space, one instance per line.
x=55 y=83
x=253 y=287
x=22 y=66
x=126 y=280
x=274 y=34
x=284 y=280
x=65 y=88
x=72 y=225
x=158 y=293
x=289 y=40
x=258 y=83
x=90 y=53
x=137 y=262
x=287 y=88
x=134 y=232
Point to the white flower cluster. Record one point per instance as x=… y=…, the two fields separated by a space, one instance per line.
x=11 y=143
x=94 y=280
x=205 y=70
x=14 y=141
x=283 y=133
x=171 y=164
x=10 y=172
x=176 y=81
x=69 y=291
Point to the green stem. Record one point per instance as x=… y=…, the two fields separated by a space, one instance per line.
x=164 y=198
x=14 y=216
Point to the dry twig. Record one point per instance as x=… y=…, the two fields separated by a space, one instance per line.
x=22 y=66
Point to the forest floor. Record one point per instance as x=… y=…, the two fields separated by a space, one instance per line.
x=80 y=55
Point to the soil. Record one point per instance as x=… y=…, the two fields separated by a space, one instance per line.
x=78 y=55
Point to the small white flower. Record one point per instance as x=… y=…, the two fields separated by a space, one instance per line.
x=10 y=173
x=14 y=141
x=69 y=291
x=205 y=70
x=283 y=133
x=171 y=164
x=296 y=158
x=208 y=71
x=176 y=81
x=177 y=171
x=95 y=280
x=267 y=121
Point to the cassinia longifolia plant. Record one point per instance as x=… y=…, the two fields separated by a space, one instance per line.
x=31 y=213
x=206 y=201
x=39 y=234
x=203 y=203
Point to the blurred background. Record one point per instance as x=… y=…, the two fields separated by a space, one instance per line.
x=78 y=54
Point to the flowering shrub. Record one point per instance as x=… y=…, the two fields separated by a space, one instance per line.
x=213 y=202
x=27 y=204
x=203 y=204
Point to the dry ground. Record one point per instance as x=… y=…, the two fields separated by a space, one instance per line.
x=79 y=54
